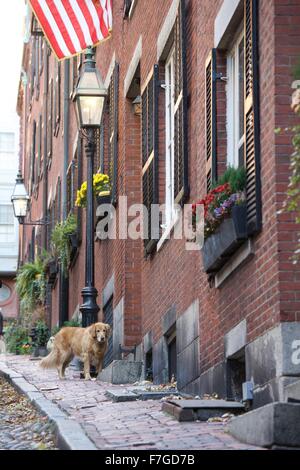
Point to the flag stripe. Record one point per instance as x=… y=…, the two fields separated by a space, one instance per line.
x=68 y=25
x=82 y=22
x=72 y=25
x=54 y=27
x=46 y=27
x=75 y=23
x=88 y=19
x=61 y=24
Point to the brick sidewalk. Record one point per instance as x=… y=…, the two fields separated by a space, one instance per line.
x=131 y=425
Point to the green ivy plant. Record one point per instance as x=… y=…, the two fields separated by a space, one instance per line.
x=60 y=240
x=57 y=328
x=42 y=333
x=31 y=284
x=292 y=203
x=17 y=339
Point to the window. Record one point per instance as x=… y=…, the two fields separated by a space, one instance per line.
x=170 y=105
x=7 y=229
x=6 y=215
x=5 y=293
x=235 y=103
x=7 y=142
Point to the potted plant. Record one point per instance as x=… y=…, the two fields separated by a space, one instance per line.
x=64 y=240
x=42 y=335
x=101 y=189
x=52 y=270
x=31 y=284
x=225 y=215
x=17 y=339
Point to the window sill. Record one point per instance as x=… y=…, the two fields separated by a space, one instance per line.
x=237 y=260
x=166 y=235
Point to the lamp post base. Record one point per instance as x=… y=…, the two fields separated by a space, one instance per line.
x=89 y=308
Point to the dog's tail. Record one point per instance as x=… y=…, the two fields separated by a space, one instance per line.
x=51 y=361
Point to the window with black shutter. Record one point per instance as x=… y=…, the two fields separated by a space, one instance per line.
x=113 y=132
x=37 y=67
x=73 y=75
x=40 y=141
x=58 y=201
x=250 y=139
x=211 y=120
x=32 y=66
x=150 y=155
x=181 y=188
x=32 y=159
x=57 y=95
x=50 y=121
x=106 y=138
x=252 y=125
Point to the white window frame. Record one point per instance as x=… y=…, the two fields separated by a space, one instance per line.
x=170 y=130
x=234 y=143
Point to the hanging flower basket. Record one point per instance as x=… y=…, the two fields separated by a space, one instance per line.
x=104 y=197
x=228 y=237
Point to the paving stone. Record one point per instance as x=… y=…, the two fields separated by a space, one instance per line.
x=133 y=425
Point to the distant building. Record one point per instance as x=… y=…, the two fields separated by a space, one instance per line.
x=9 y=139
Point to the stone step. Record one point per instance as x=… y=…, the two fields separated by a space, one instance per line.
x=276 y=425
x=292 y=392
x=192 y=410
x=122 y=372
x=132 y=394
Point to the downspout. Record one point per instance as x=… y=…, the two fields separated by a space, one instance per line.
x=64 y=280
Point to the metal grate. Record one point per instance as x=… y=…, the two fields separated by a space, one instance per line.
x=108 y=318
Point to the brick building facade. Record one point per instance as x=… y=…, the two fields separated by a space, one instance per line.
x=229 y=64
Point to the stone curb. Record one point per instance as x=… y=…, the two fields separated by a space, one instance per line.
x=69 y=434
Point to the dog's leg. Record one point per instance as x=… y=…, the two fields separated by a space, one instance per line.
x=99 y=367
x=86 y=361
x=61 y=371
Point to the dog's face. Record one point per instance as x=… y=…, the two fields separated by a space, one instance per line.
x=100 y=332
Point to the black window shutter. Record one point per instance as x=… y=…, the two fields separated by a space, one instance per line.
x=252 y=124
x=50 y=120
x=40 y=146
x=211 y=119
x=150 y=154
x=113 y=132
x=37 y=67
x=79 y=182
x=56 y=117
x=33 y=169
x=181 y=187
x=58 y=200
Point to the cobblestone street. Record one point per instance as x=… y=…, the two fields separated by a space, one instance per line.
x=132 y=425
x=21 y=427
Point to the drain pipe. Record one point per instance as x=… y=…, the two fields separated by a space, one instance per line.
x=64 y=280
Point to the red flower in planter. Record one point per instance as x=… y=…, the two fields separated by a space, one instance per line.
x=210 y=198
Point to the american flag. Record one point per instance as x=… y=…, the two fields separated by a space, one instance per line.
x=72 y=25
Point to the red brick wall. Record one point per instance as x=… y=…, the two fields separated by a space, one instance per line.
x=265 y=290
x=10 y=307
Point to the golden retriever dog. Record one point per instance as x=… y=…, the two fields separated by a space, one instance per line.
x=88 y=344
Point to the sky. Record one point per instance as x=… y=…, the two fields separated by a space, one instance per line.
x=11 y=48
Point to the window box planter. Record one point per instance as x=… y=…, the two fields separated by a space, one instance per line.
x=52 y=271
x=74 y=243
x=229 y=236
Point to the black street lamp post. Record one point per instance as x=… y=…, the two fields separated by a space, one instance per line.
x=89 y=98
